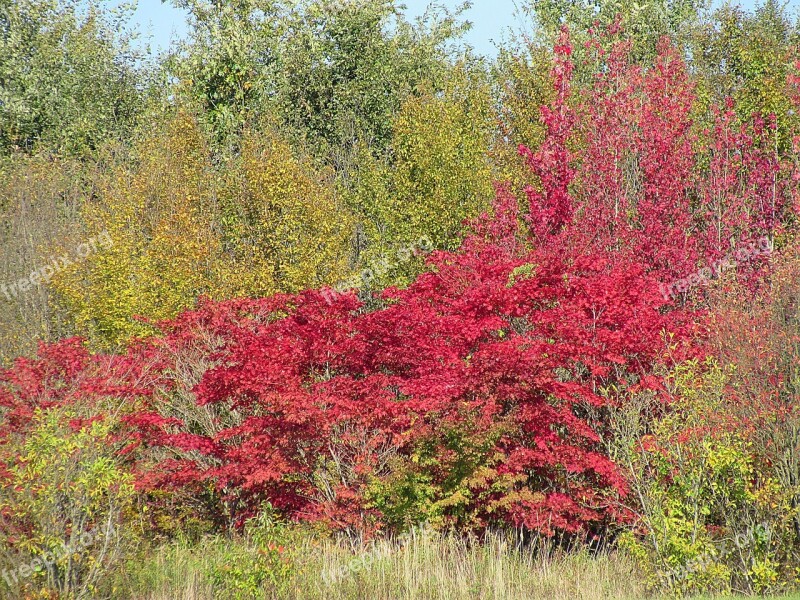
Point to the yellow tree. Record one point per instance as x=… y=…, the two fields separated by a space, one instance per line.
x=438 y=174
x=524 y=84
x=285 y=218
x=173 y=224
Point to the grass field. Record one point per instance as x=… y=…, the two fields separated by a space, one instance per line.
x=425 y=567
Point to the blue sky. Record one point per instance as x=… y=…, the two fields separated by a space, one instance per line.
x=490 y=18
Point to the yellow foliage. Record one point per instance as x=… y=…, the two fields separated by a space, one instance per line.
x=179 y=225
x=439 y=173
x=65 y=506
x=524 y=85
x=299 y=234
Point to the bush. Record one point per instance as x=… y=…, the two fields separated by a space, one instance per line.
x=262 y=564
x=330 y=396
x=40 y=200
x=65 y=501
x=263 y=560
x=709 y=514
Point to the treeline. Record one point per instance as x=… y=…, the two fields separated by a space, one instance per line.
x=290 y=145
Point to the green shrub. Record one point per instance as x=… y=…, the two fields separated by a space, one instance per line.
x=712 y=517
x=261 y=566
x=63 y=509
x=260 y=561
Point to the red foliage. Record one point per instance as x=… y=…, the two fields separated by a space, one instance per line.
x=494 y=333
x=632 y=174
x=517 y=339
x=552 y=207
x=63 y=374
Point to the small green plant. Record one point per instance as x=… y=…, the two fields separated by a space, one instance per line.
x=62 y=508
x=261 y=565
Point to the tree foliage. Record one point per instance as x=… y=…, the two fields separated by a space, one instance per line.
x=334 y=73
x=438 y=174
x=178 y=227
x=748 y=57
x=68 y=75
x=600 y=339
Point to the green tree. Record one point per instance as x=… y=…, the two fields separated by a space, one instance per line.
x=68 y=75
x=643 y=22
x=333 y=73
x=347 y=67
x=747 y=56
x=522 y=85
x=226 y=66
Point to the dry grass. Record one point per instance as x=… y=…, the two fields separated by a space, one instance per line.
x=427 y=566
x=444 y=567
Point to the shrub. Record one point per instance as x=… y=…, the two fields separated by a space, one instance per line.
x=264 y=563
x=330 y=396
x=711 y=517
x=64 y=503
x=40 y=200
x=759 y=337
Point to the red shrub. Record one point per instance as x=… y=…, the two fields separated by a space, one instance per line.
x=495 y=333
x=64 y=374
